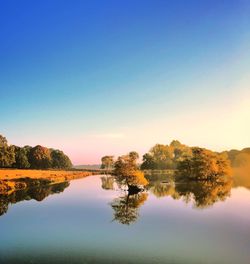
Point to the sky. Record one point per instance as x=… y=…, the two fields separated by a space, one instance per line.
x=104 y=77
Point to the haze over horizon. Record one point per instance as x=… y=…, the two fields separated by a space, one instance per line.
x=107 y=77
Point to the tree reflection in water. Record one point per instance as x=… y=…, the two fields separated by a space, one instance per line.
x=126 y=208
x=107 y=182
x=202 y=193
x=37 y=193
x=162 y=189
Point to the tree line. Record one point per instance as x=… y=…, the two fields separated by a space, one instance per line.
x=176 y=154
x=37 y=157
x=193 y=163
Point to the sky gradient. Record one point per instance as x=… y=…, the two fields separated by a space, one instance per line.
x=106 y=77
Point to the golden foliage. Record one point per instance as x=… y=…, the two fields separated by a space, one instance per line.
x=55 y=175
x=127 y=172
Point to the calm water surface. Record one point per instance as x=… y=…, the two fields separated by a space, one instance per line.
x=86 y=223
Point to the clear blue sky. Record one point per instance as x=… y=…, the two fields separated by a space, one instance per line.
x=106 y=77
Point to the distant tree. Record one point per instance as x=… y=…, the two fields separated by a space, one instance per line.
x=127 y=173
x=107 y=162
x=161 y=152
x=3 y=141
x=241 y=160
x=21 y=158
x=204 y=165
x=232 y=154
x=7 y=153
x=175 y=144
x=148 y=162
x=59 y=160
x=134 y=156
x=27 y=148
x=160 y=157
x=40 y=158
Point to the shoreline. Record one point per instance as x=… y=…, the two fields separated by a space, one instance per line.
x=12 y=180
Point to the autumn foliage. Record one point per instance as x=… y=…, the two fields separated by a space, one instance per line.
x=126 y=171
x=37 y=157
x=204 y=165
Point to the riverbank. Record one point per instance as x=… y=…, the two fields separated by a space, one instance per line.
x=14 y=179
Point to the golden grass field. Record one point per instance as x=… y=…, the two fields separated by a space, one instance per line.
x=14 y=179
x=53 y=175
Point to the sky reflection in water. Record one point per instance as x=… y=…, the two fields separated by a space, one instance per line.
x=82 y=224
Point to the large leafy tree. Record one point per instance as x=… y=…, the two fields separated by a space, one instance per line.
x=163 y=157
x=60 y=160
x=107 y=162
x=126 y=171
x=7 y=153
x=40 y=158
x=148 y=162
x=204 y=165
x=159 y=157
x=22 y=158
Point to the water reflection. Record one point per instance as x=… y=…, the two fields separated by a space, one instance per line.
x=107 y=182
x=149 y=227
x=37 y=193
x=162 y=189
x=202 y=194
x=126 y=207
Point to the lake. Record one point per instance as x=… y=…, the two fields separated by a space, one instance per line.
x=91 y=220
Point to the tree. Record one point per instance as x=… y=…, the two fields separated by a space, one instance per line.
x=148 y=162
x=204 y=165
x=161 y=152
x=134 y=156
x=21 y=158
x=127 y=173
x=7 y=153
x=163 y=157
x=107 y=162
x=3 y=141
x=40 y=157
x=59 y=159
x=160 y=157
x=241 y=160
x=175 y=144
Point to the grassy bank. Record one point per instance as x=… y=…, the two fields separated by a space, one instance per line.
x=13 y=180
